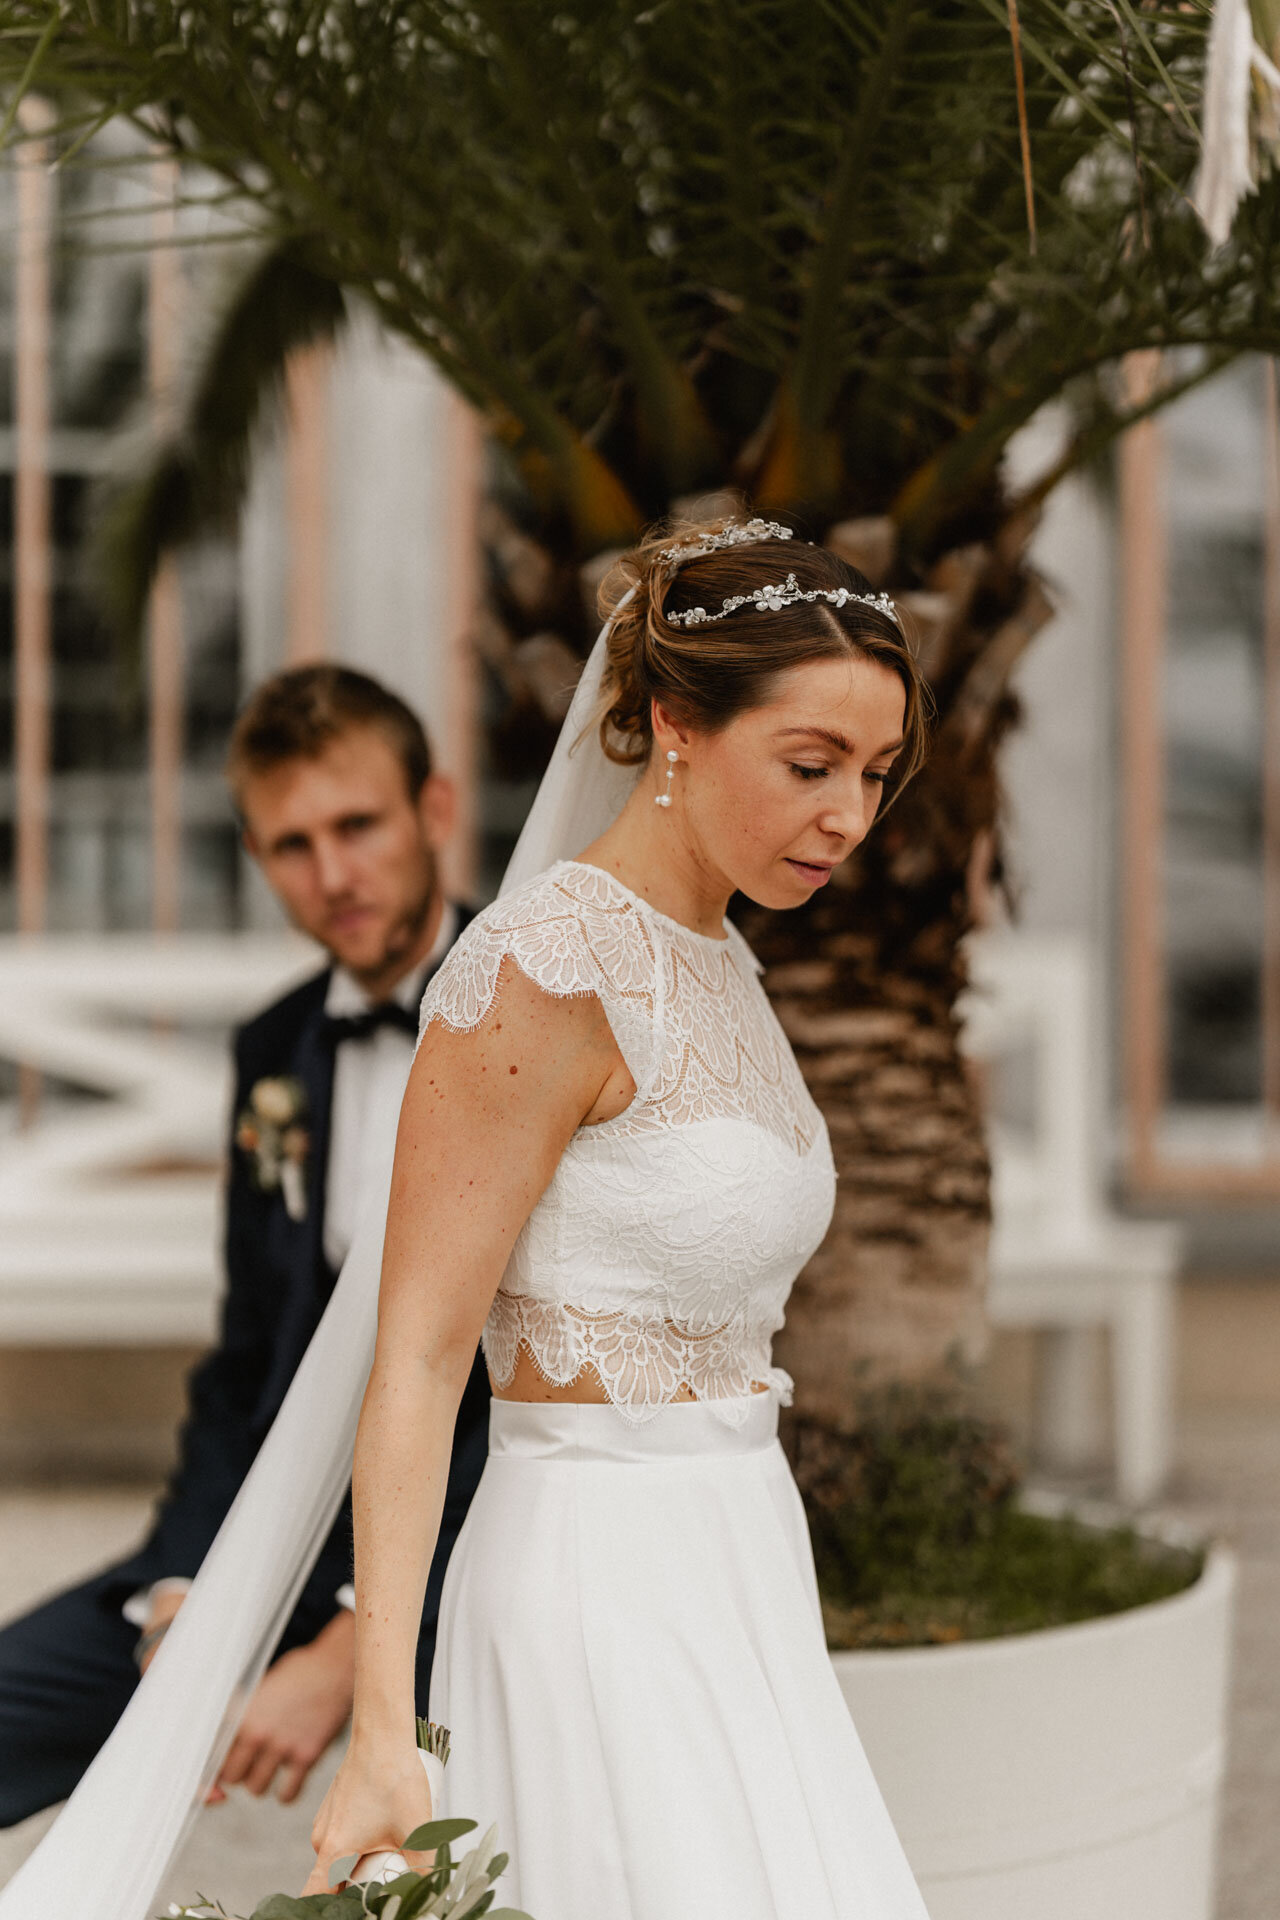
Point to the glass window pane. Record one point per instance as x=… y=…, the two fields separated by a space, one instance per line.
x=100 y=834
x=1213 y=706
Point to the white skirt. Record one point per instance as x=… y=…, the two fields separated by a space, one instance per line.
x=632 y=1664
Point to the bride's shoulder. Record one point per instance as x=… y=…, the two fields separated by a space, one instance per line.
x=569 y=902
x=568 y=929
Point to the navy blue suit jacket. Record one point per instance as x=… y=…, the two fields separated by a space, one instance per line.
x=278 y=1282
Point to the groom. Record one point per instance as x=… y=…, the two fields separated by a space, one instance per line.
x=340 y=807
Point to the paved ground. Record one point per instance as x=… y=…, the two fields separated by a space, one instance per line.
x=1229 y=1480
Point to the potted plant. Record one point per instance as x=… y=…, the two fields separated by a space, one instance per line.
x=1042 y=1694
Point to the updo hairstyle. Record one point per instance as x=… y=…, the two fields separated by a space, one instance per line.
x=708 y=674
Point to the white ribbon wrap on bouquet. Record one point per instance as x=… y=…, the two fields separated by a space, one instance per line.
x=106 y=1855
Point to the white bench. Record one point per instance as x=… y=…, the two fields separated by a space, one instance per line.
x=109 y=1209
x=109 y=1205
x=1062 y=1261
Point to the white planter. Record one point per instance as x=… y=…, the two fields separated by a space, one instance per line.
x=1072 y=1774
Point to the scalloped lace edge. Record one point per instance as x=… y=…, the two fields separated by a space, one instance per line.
x=725 y=1405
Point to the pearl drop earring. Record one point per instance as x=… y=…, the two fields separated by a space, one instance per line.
x=664 y=799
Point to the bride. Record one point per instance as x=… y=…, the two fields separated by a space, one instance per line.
x=608 y=1162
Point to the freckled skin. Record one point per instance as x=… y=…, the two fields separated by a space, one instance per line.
x=758 y=807
x=763 y=792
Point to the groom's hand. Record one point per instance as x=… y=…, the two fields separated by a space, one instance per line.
x=301 y=1704
x=160 y=1617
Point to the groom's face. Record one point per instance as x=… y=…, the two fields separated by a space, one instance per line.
x=351 y=852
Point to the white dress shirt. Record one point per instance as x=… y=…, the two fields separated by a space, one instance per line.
x=357 y=1067
x=356 y=1070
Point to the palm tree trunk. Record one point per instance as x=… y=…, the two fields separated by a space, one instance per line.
x=866 y=981
x=895 y=1293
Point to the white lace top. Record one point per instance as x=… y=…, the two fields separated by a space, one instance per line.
x=664 y=1248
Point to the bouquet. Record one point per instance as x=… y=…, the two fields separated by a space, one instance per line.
x=387 y=1888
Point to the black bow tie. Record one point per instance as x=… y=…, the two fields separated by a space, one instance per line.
x=337 y=1027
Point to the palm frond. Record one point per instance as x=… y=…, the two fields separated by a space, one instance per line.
x=662 y=245
x=194 y=478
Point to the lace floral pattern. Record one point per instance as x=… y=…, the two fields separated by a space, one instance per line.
x=642 y=1364
x=664 y=1248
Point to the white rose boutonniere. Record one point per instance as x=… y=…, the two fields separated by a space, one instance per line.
x=272 y=1131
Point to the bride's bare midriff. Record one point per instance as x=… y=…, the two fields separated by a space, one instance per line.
x=526 y=1383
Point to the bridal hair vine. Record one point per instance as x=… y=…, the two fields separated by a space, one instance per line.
x=788 y=594
x=739 y=533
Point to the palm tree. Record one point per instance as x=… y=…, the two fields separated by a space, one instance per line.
x=830 y=255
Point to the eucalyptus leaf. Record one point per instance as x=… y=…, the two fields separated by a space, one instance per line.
x=312 y=1906
x=421 y=1897
x=498 y=1865
x=381 y=1896
x=471 y=1865
x=473 y=1912
x=437 y=1833
x=341 y=1868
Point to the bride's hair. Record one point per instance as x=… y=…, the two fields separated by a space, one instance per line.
x=708 y=673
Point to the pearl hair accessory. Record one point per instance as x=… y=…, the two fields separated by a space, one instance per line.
x=664 y=799
x=773 y=598
x=739 y=533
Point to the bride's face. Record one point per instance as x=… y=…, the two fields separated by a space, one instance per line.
x=772 y=802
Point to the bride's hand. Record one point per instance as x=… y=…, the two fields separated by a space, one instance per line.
x=375 y=1801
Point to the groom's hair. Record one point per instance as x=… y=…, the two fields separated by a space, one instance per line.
x=296 y=714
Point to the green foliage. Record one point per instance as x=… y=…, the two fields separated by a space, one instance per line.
x=438 y=1833
x=665 y=246
x=911 y=1487
x=347 y=1905
x=918 y=1537
x=448 y=1890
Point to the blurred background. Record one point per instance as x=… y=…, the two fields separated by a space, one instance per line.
x=1124 y=1017
x=1144 y=831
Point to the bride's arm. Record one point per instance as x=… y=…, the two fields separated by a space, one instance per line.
x=486 y=1116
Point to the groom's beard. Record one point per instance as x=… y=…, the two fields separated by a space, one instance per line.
x=405 y=942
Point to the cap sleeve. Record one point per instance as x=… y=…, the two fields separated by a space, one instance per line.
x=567 y=939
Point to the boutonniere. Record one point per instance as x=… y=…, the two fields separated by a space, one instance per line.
x=272 y=1131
